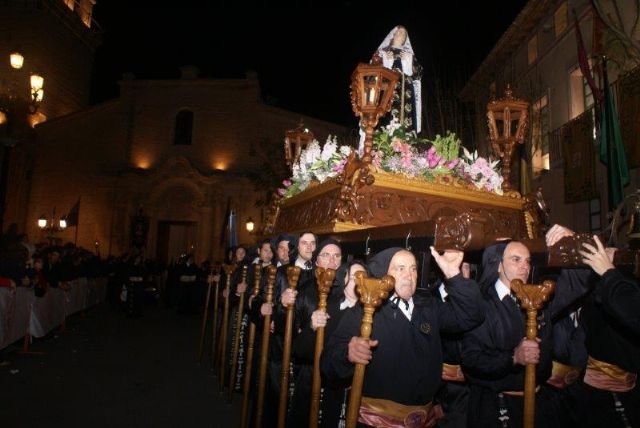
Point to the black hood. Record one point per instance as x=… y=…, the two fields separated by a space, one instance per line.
x=378 y=265
x=491 y=258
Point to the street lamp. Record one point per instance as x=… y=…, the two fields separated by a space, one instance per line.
x=16 y=108
x=11 y=98
x=250 y=225
x=51 y=226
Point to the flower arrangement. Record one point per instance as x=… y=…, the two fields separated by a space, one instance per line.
x=398 y=151
x=482 y=173
x=316 y=164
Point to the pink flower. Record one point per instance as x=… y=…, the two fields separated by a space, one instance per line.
x=340 y=166
x=406 y=159
x=396 y=145
x=281 y=191
x=286 y=183
x=433 y=158
x=452 y=163
x=377 y=159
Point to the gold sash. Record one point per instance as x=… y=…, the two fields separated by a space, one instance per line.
x=608 y=377
x=387 y=413
x=452 y=373
x=563 y=375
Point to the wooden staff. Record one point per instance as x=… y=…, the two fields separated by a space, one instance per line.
x=214 y=333
x=532 y=297
x=236 y=339
x=293 y=274
x=228 y=270
x=246 y=387
x=372 y=293
x=204 y=317
x=324 y=279
x=264 y=346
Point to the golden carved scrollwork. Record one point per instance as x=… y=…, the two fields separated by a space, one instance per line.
x=308 y=214
x=356 y=175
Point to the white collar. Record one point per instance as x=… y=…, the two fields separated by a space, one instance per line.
x=443 y=292
x=502 y=289
x=346 y=303
x=301 y=263
x=406 y=311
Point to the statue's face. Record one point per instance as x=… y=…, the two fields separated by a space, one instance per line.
x=399 y=38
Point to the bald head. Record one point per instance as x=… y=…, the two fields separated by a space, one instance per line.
x=515 y=264
x=404 y=270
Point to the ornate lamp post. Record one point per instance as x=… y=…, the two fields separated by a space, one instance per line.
x=51 y=226
x=507 y=121
x=15 y=108
x=295 y=140
x=372 y=89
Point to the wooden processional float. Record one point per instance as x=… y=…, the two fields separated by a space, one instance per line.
x=368 y=210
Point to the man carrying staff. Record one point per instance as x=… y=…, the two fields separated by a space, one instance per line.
x=494 y=354
x=328 y=255
x=404 y=356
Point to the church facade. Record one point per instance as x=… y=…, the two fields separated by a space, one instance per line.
x=164 y=163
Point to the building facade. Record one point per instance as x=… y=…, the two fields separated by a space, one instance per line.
x=538 y=57
x=180 y=153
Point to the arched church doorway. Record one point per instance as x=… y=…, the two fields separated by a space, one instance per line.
x=175 y=239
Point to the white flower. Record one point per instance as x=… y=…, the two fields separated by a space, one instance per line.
x=393 y=125
x=311 y=153
x=329 y=149
x=345 y=150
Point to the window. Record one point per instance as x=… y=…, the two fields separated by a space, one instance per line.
x=587 y=94
x=594 y=215
x=560 y=19
x=86 y=11
x=576 y=86
x=540 y=135
x=581 y=95
x=184 y=128
x=532 y=50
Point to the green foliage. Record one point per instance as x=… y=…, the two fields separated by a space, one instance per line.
x=448 y=146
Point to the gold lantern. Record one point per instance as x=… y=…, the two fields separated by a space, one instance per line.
x=295 y=140
x=507 y=121
x=372 y=88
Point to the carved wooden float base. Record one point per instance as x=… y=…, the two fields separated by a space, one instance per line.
x=394 y=199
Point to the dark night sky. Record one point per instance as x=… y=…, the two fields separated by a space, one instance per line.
x=304 y=56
